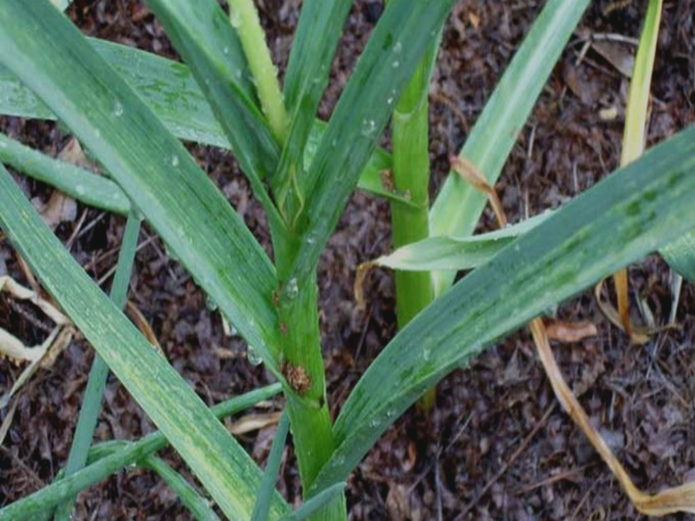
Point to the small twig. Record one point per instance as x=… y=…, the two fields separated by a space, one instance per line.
x=552 y=479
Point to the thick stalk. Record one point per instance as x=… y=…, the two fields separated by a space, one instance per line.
x=244 y=18
x=411 y=175
x=303 y=369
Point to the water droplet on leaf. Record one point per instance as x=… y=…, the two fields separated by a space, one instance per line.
x=253 y=357
x=292 y=289
x=368 y=127
x=118 y=109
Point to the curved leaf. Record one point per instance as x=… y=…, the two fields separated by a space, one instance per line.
x=455 y=253
x=162 y=180
x=111 y=456
x=622 y=218
x=77 y=182
x=204 y=37
x=458 y=206
x=400 y=39
x=169 y=89
x=167 y=399
x=313 y=47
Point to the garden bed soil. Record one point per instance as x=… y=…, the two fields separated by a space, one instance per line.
x=497 y=445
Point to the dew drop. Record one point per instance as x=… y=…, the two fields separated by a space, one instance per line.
x=253 y=357
x=210 y=304
x=292 y=289
x=426 y=354
x=235 y=19
x=396 y=64
x=374 y=422
x=398 y=47
x=368 y=127
x=389 y=100
x=80 y=189
x=118 y=109
x=225 y=50
x=174 y=160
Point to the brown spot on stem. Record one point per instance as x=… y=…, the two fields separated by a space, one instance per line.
x=297 y=377
x=387 y=181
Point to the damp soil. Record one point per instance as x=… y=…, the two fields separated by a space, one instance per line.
x=496 y=445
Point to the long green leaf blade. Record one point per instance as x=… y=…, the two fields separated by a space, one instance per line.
x=189 y=496
x=444 y=252
x=111 y=456
x=398 y=42
x=77 y=182
x=96 y=383
x=317 y=502
x=458 y=206
x=202 y=34
x=167 y=86
x=272 y=467
x=313 y=48
x=50 y=55
x=181 y=415
x=169 y=89
x=622 y=218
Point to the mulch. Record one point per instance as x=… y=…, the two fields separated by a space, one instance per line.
x=496 y=446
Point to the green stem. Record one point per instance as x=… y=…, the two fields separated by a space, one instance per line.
x=31 y=506
x=270 y=475
x=244 y=18
x=303 y=369
x=411 y=175
x=91 y=403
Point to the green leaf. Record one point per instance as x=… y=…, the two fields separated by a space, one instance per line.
x=634 y=133
x=313 y=47
x=167 y=86
x=77 y=182
x=62 y=4
x=189 y=496
x=272 y=468
x=458 y=206
x=631 y=213
x=94 y=392
x=445 y=252
x=372 y=178
x=111 y=456
x=169 y=89
x=162 y=180
x=317 y=502
x=204 y=37
x=181 y=415
x=680 y=255
x=398 y=42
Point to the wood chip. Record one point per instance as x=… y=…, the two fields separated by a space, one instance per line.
x=569 y=332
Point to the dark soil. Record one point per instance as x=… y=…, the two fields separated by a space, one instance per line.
x=496 y=446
